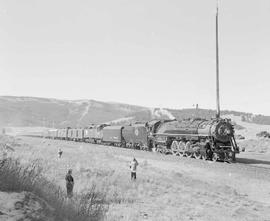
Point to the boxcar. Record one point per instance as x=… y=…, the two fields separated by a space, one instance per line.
x=59 y=134
x=135 y=136
x=69 y=134
x=95 y=133
x=87 y=134
x=46 y=133
x=52 y=133
x=72 y=134
x=113 y=135
x=62 y=134
x=79 y=134
x=65 y=133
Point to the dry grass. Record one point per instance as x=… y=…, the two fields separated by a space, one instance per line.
x=256 y=145
x=167 y=188
x=14 y=177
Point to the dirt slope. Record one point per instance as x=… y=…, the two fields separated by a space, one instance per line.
x=23 y=206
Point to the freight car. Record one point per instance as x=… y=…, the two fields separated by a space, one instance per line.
x=72 y=134
x=51 y=133
x=80 y=135
x=62 y=134
x=94 y=133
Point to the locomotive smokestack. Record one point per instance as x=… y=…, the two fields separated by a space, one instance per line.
x=217 y=67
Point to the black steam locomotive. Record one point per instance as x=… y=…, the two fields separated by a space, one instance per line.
x=199 y=138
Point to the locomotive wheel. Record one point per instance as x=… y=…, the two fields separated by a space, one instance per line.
x=168 y=151
x=204 y=157
x=197 y=155
x=181 y=154
x=189 y=155
x=215 y=157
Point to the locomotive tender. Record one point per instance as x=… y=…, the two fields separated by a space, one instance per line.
x=207 y=139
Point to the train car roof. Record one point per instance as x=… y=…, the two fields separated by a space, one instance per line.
x=138 y=125
x=113 y=127
x=52 y=129
x=153 y=122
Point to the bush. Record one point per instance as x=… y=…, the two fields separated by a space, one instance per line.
x=17 y=178
x=239 y=137
x=237 y=126
x=263 y=134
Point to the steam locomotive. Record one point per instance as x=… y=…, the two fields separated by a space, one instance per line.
x=203 y=139
x=199 y=138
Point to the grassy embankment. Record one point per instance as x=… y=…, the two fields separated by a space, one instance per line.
x=17 y=177
x=167 y=188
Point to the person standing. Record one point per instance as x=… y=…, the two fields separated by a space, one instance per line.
x=60 y=152
x=133 y=167
x=69 y=183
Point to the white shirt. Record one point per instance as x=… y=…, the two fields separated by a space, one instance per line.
x=133 y=165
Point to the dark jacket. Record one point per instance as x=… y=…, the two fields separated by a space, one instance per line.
x=69 y=180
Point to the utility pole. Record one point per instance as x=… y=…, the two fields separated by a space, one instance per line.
x=217 y=67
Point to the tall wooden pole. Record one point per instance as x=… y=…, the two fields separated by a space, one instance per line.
x=217 y=67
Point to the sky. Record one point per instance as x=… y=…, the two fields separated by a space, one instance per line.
x=152 y=53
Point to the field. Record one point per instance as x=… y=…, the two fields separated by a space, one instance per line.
x=167 y=187
x=249 y=130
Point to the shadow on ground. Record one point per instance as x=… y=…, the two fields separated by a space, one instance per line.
x=252 y=161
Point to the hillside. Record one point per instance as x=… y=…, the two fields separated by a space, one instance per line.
x=45 y=112
x=29 y=111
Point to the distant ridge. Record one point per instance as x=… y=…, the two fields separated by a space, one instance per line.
x=50 y=112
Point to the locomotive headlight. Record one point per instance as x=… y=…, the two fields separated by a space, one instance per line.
x=227 y=131
x=224 y=130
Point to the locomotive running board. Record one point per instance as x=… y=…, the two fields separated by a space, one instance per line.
x=190 y=135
